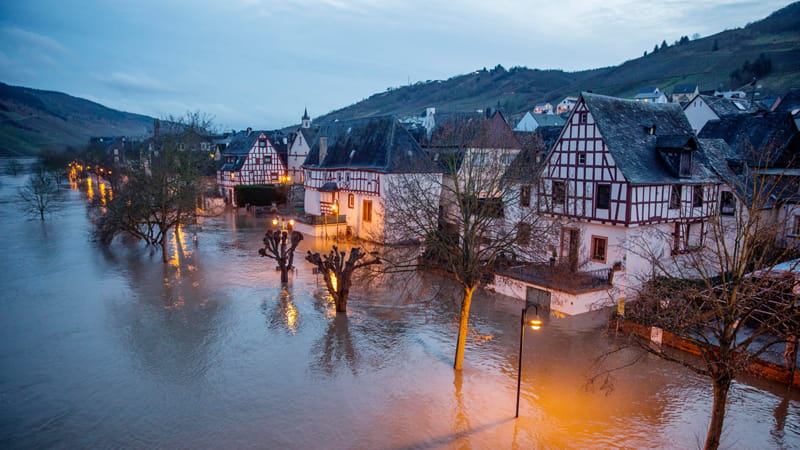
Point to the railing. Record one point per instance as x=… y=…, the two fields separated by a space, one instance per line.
x=331 y=219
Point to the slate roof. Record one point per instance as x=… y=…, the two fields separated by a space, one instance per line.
x=548 y=120
x=647 y=90
x=763 y=139
x=684 y=88
x=471 y=130
x=240 y=144
x=625 y=126
x=790 y=101
x=378 y=143
x=534 y=143
x=728 y=106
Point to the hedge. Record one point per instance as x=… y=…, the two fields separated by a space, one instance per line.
x=259 y=194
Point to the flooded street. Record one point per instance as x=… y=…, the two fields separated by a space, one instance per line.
x=111 y=348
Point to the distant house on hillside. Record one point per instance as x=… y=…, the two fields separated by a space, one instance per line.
x=543 y=108
x=683 y=93
x=116 y=148
x=252 y=157
x=531 y=122
x=704 y=108
x=650 y=94
x=566 y=105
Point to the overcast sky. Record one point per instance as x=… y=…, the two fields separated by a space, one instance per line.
x=258 y=63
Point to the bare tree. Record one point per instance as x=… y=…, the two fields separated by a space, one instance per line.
x=728 y=295
x=40 y=194
x=472 y=218
x=161 y=192
x=275 y=247
x=337 y=270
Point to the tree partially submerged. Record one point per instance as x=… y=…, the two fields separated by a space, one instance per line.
x=337 y=269
x=40 y=194
x=734 y=295
x=280 y=246
x=162 y=189
x=477 y=214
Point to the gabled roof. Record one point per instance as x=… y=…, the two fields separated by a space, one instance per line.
x=378 y=143
x=763 y=139
x=626 y=127
x=728 y=106
x=684 y=88
x=471 y=130
x=547 y=120
x=647 y=90
x=240 y=144
x=534 y=143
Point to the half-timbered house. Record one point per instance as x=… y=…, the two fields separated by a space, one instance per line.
x=252 y=157
x=621 y=173
x=350 y=171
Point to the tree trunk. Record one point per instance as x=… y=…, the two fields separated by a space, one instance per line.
x=463 y=327
x=164 y=248
x=721 y=386
x=284 y=272
x=341 y=303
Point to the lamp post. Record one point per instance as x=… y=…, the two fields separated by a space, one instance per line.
x=536 y=325
x=285 y=225
x=335 y=208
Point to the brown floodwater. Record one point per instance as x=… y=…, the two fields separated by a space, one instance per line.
x=111 y=348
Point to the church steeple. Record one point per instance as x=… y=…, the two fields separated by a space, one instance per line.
x=306 y=121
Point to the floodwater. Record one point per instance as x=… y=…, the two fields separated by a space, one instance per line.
x=111 y=348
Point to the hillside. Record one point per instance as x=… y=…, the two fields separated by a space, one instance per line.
x=707 y=62
x=32 y=120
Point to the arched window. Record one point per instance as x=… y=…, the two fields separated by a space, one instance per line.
x=351 y=201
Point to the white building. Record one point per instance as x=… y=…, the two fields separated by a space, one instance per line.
x=352 y=168
x=623 y=173
x=650 y=94
x=704 y=108
x=530 y=122
x=299 y=147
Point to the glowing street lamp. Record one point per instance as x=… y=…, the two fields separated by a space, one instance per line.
x=536 y=325
x=335 y=208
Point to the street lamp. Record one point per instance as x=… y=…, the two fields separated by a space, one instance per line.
x=536 y=325
x=335 y=208
x=286 y=225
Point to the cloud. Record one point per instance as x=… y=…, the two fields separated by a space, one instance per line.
x=28 y=40
x=129 y=83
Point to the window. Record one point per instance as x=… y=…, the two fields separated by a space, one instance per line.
x=727 y=204
x=582 y=158
x=366 y=211
x=583 y=117
x=603 y=196
x=351 y=201
x=599 y=247
x=525 y=196
x=796 y=226
x=262 y=144
x=675 y=197
x=523 y=233
x=347 y=177
x=268 y=159
x=233 y=176
x=559 y=193
x=697 y=196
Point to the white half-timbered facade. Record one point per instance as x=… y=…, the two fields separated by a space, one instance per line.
x=624 y=173
x=350 y=168
x=252 y=157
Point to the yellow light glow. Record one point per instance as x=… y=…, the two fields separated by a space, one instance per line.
x=275 y=222
x=291 y=222
x=334 y=281
x=536 y=324
x=89 y=188
x=291 y=316
x=102 y=188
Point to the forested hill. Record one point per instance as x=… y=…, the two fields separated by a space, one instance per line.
x=33 y=120
x=708 y=62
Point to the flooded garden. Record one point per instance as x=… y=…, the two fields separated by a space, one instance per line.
x=109 y=347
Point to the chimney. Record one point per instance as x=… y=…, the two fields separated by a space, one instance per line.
x=249 y=130
x=323 y=148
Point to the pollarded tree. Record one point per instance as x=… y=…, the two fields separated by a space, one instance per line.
x=473 y=216
x=338 y=269
x=280 y=246
x=733 y=293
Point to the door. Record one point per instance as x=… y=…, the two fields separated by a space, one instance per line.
x=570 y=240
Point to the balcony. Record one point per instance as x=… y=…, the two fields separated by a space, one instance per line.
x=559 y=276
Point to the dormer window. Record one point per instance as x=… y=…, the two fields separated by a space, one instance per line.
x=685 y=168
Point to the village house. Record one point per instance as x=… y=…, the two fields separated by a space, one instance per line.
x=351 y=172
x=685 y=92
x=543 y=108
x=705 y=108
x=530 y=122
x=622 y=173
x=650 y=94
x=252 y=157
x=299 y=146
x=566 y=105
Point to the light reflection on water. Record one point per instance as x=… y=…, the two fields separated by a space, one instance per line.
x=113 y=348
